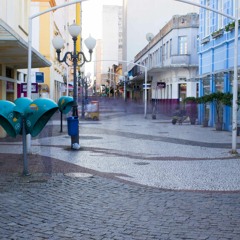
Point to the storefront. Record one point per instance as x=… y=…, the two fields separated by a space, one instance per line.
x=13 y=57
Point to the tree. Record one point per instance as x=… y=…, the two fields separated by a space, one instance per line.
x=191 y=108
x=219 y=100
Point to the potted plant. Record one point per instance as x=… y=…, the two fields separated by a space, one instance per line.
x=204 y=100
x=220 y=99
x=230 y=26
x=191 y=108
x=217 y=33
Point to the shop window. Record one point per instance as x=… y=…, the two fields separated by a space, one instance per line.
x=219 y=82
x=182 y=91
x=9 y=72
x=10 y=91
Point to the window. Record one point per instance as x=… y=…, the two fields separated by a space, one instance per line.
x=238 y=7
x=157 y=56
x=163 y=52
x=182 y=91
x=160 y=55
x=9 y=72
x=220 y=17
x=234 y=8
x=167 y=50
x=170 y=51
x=207 y=19
x=182 y=45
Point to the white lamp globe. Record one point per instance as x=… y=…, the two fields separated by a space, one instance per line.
x=58 y=42
x=74 y=30
x=90 y=42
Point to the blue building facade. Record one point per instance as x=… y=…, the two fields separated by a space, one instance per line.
x=216 y=55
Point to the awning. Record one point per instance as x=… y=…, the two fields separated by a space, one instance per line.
x=14 y=50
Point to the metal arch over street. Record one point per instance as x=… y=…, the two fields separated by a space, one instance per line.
x=29 y=83
x=30 y=39
x=235 y=80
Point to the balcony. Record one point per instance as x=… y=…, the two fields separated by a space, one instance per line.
x=180 y=59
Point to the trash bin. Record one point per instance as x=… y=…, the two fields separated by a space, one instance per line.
x=72 y=126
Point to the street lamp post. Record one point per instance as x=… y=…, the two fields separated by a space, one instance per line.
x=30 y=19
x=125 y=85
x=74 y=57
x=84 y=85
x=235 y=78
x=83 y=110
x=87 y=85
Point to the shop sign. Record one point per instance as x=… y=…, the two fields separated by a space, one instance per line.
x=146 y=86
x=161 y=84
x=34 y=88
x=39 y=77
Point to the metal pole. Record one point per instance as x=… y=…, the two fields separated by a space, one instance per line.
x=75 y=138
x=114 y=84
x=86 y=91
x=235 y=80
x=29 y=82
x=145 y=94
x=25 y=159
x=67 y=81
x=124 y=90
x=235 y=84
x=83 y=112
x=61 y=126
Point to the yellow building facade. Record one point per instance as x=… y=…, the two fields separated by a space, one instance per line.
x=58 y=75
x=14 y=50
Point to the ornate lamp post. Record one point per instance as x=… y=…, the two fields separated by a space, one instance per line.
x=84 y=81
x=74 y=57
x=125 y=85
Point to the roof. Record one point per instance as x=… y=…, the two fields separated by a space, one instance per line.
x=14 y=50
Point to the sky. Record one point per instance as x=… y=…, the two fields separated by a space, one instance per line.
x=92 y=16
x=166 y=9
x=149 y=17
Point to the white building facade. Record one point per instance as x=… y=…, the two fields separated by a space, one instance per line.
x=112 y=39
x=143 y=17
x=172 y=60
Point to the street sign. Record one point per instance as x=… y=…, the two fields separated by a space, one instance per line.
x=161 y=84
x=34 y=88
x=39 y=77
x=146 y=86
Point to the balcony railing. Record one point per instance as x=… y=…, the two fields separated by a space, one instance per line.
x=180 y=59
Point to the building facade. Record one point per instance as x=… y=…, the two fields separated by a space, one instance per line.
x=111 y=42
x=14 y=50
x=172 y=62
x=216 y=55
x=142 y=17
x=57 y=78
x=47 y=73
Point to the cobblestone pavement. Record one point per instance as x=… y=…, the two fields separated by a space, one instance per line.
x=63 y=207
x=133 y=178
